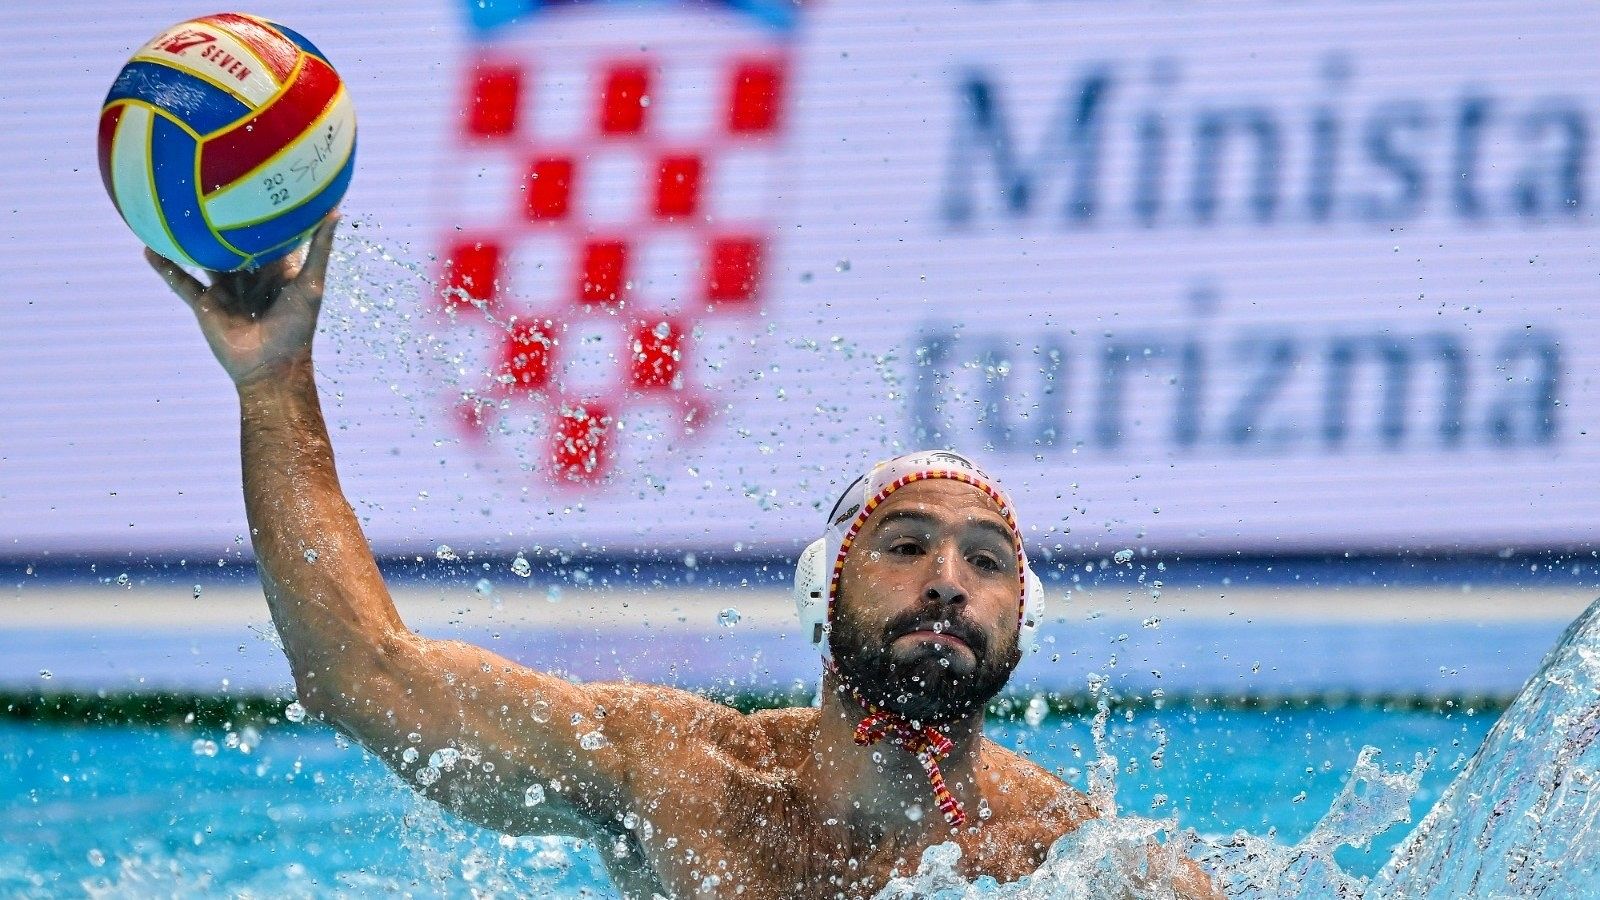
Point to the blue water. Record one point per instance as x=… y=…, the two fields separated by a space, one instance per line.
x=288 y=811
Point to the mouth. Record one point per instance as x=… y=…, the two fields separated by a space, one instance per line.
x=947 y=638
x=936 y=637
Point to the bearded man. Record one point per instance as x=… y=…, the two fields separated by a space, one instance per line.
x=919 y=594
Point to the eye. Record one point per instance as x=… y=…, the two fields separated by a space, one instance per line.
x=906 y=547
x=985 y=561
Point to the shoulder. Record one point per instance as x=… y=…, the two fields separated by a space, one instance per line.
x=1026 y=789
x=787 y=733
x=683 y=724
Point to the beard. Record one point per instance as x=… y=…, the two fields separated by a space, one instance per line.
x=920 y=686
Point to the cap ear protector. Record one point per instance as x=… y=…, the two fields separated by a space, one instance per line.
x=817 y=572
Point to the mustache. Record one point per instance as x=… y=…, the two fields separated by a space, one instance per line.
x=941 y=620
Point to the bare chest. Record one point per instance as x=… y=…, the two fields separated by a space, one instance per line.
x=777 y=849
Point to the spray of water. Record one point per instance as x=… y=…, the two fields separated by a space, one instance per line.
x=1520 y=821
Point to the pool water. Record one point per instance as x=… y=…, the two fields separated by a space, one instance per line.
x=292 y=810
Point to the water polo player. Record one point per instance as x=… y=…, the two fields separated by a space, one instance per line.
x=918 y=595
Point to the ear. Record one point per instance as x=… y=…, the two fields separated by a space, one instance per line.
x=1033 y=600
x=811 y=593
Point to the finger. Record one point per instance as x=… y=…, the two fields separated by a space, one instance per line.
x=315 y=269
x=182 y=283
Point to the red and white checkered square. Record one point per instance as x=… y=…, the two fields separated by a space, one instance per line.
x=607 y=207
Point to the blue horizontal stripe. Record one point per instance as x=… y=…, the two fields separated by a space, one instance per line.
x=193 y=101
x=172 y=155
x=491 y=15
x=273 y=238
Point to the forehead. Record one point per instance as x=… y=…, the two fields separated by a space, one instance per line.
x=941 y=498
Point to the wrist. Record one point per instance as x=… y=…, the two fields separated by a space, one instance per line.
x=295 y=375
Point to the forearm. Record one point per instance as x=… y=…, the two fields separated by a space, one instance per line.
x=327 y=598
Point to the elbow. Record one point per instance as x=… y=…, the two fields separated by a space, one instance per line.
x=337 y=687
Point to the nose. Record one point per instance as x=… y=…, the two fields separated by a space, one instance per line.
x=944 y=582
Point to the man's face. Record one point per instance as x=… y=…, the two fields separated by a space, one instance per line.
x=926 y=619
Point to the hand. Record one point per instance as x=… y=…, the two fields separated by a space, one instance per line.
x=259 y=322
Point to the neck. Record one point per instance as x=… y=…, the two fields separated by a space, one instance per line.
x=882 y=789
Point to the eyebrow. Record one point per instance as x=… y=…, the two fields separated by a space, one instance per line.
x=896 y=516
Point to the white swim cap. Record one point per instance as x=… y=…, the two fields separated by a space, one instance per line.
x=816 y=582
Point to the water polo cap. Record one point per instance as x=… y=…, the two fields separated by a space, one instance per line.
x=816 y=578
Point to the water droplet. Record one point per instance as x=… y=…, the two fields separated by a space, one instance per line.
x=533 y=796
x=540 y=711
x=124 y=580
x=410 y=756
x=521 y=567
x=1036 y=712
x=311 y=554
x=197 y=592
x=689 y=561
x=553 y=594
x=46 y=673
x=484 y=587
x=444 y=758
x=96 y=858
x=728 y=617
x=427 y=775
x=842 y=265
x=204 y=747
x=294 y=712
x=445 y=554
x=593 y=740
x=662 y=330
x=1152 y=622
x=1122 y=557
x=914 y=812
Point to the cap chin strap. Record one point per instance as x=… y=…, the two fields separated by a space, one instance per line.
x=927 y=743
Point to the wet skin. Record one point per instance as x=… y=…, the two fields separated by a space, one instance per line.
x=684 y=797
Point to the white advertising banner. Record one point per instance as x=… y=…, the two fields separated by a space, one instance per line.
x=1259 y=277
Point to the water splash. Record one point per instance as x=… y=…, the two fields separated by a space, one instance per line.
x=1520 y=820
x=1138 y=858
x=1257 y=868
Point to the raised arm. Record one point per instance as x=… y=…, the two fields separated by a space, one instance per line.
x=355 y=663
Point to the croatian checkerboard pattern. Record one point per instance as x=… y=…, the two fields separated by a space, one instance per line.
x=604 y=219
